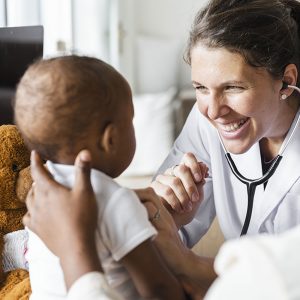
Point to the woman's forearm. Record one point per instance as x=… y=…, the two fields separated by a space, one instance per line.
x=196 y=273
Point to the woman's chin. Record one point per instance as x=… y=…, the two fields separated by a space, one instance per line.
x=237 y=148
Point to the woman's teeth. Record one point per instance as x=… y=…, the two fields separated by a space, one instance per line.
x=234 y=126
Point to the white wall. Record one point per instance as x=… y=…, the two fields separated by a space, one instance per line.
x=159 y=18
x=170 y=18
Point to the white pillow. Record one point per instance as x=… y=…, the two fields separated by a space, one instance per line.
x=154 y=131
x=157 y=64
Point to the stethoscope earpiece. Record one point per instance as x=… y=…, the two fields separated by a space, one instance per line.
x=284 y=85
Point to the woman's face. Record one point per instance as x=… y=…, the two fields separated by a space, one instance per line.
x=240 y=101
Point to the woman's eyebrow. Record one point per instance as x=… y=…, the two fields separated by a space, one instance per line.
x=223 y=83
x=233 y=82
x=195 y=82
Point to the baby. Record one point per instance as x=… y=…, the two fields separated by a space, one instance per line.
x=67 y=104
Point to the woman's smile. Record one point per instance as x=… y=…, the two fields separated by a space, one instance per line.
x=233 y=130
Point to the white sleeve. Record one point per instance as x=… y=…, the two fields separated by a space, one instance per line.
x=195 y=137
x=92 y=286
x=123 y=231
x=263 y=267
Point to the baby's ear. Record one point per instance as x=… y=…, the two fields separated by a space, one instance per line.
x=109 y=138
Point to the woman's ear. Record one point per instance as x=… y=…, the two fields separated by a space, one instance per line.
x=290 y=75
x=109 y=138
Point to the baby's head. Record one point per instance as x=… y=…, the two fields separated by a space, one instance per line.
x=66 y=104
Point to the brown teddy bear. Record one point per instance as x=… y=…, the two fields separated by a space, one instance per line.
x=15 y=182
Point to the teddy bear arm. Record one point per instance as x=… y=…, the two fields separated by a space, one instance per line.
x=11 y=220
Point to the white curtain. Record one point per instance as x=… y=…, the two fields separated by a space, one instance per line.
x=22 y=13
x=56 y=17
x=91 y=27
x=85 y=27
x=2 y=13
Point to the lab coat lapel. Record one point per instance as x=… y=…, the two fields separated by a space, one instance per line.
x=284 y=177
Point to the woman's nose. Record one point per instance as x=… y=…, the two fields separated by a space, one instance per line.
x=217 y=107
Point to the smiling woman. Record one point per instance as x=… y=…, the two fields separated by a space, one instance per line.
x=229 y=92
x=243 y=72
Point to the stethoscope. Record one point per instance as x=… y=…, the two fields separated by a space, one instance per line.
x=251 y=184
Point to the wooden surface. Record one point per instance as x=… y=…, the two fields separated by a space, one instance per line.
x=210 y=244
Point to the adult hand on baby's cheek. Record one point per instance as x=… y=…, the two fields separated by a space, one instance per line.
x=58 y=215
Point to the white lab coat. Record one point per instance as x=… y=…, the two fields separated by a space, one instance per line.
x=275 y=209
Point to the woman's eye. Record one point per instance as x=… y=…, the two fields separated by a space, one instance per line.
x=199 y=88
x=234 y=87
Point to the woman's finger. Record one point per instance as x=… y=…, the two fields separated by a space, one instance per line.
x=83 y=171
x=158 y=214
x=172 y=191
x=152 y=209
x=184 y=173
x=190 y=160
x=148 y=194
x=39 y=173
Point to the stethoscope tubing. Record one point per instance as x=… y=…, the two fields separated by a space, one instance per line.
x=251 y=185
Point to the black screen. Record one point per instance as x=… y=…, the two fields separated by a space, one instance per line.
x=19 y=47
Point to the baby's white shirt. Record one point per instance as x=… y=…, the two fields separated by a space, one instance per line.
x=122 y=225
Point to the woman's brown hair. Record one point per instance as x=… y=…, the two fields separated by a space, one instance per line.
x=264 y=32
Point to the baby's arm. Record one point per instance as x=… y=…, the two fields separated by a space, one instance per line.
x=151 y=277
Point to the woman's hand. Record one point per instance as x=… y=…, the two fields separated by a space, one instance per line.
x=195 y=273
x=168 y=240
x=65 y=219
x=182 y=186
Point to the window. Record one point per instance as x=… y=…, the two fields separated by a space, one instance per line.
x=70 y=26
